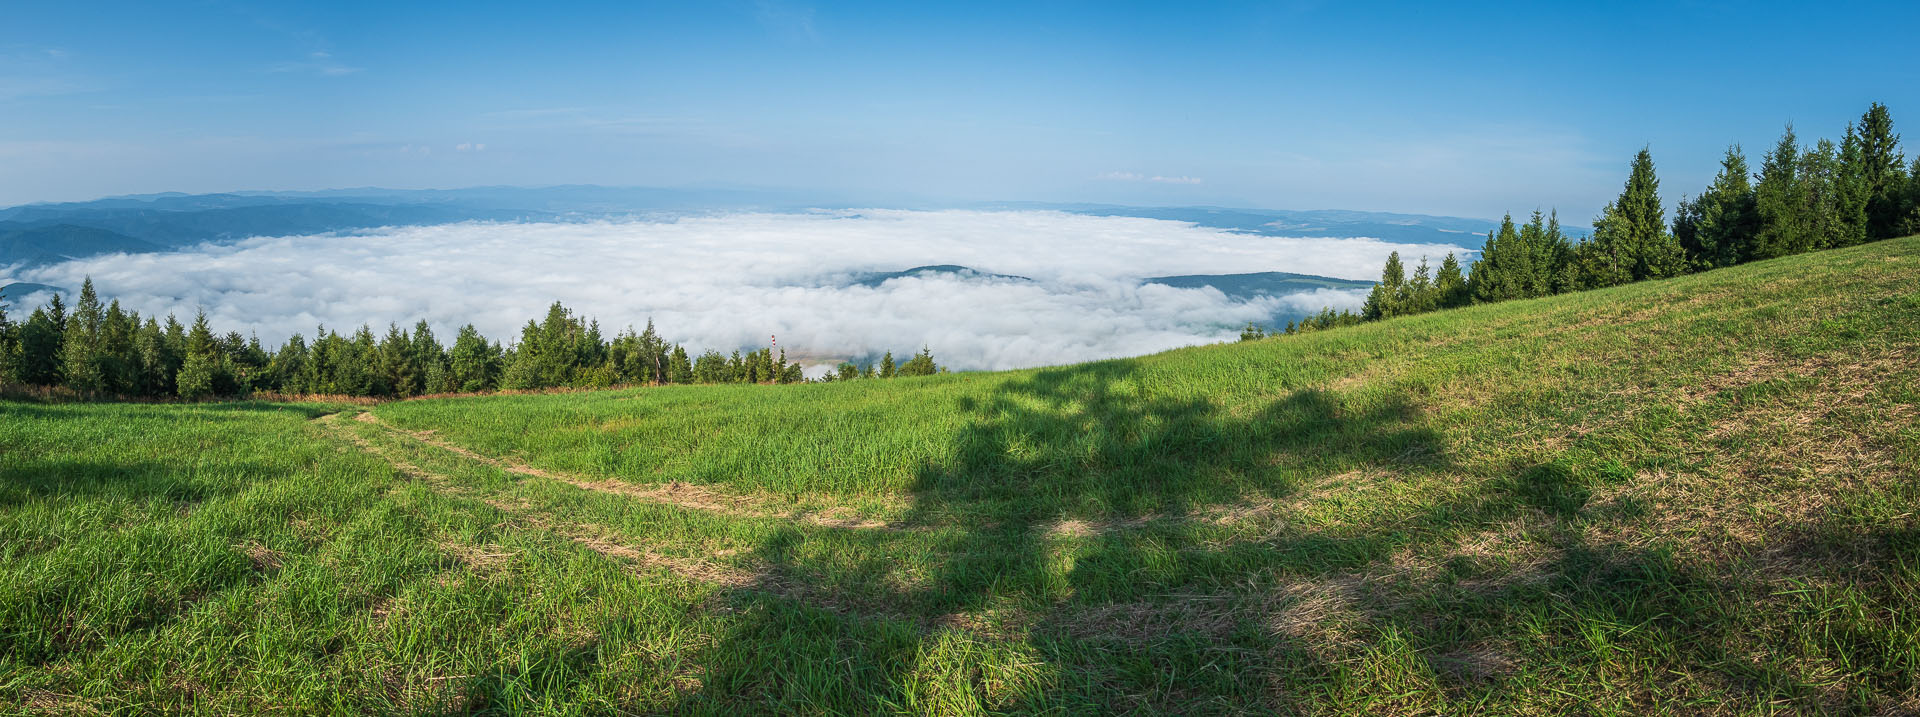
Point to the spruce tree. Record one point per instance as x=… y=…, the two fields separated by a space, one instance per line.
x=886 y=366
x=119 y=359
x=1653 y=252
x=920 y=365
x=474 y=364
x=1539 y=252
x=1450 y=284
x=9 y=344
x=429 y=361
x=1724 y=220
x=81 y=351
x=1384 y=300
x=1782 y=225
x=1851 y=190
x=1882 y=168
x=1506 y=266
x=288 y=367
x=679 y=369
x=1551 y=258
x=1820 y=200
x=396 y=362
x=1630 y=240
x=201 y=373
x=1420 y=296
x=39 y=353
x=1911 y=224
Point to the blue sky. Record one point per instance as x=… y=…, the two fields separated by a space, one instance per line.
x=1464 y=109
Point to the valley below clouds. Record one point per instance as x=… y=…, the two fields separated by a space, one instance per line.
x=1051 y=287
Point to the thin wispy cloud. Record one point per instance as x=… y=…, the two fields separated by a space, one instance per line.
x=1138 y=177
x=38 y=72
x=726 y=282
x=788 y=20
x=317 y=63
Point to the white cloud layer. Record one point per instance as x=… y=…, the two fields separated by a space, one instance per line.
x=725 y=282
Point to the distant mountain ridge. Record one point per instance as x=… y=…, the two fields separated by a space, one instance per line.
x=1238 y=287
x=37 y=234
x=31 y=245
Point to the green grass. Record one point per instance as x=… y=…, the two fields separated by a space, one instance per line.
x=1696 y=495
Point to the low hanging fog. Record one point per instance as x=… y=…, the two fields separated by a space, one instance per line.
x=730 y=281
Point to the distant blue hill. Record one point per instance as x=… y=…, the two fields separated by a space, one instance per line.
x=1267 y=283
x=877 y=278
x=1239 y=287
x=32 y=246
x=164 y=221
x=19 y=289
x=1467 y=233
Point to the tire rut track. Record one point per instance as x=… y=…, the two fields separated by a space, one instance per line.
x=682 y=495
x=637 y=555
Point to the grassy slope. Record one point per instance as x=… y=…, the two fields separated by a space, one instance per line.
x=1695 y=494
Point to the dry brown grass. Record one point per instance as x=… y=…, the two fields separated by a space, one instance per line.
x=264 y=559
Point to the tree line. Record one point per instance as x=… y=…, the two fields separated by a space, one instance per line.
x=1804 y=198
x=104 y=350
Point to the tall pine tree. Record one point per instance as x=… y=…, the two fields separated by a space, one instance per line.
x=1630 y=240
x=203 y=372
x=1383 y=302
x=81 y=352
x=1882 y=168
x=1851 y=190
x=1723 y=218
x=1782 y=225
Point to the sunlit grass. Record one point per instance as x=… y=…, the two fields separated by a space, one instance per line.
x=1680 y=496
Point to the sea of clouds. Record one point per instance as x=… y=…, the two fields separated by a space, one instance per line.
x=731 y=281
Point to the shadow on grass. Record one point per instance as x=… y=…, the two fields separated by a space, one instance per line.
x=1091 y=541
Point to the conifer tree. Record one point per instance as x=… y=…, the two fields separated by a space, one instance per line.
x=1782 y=225
x=1539 y=254
x=200 y=374
x=1384 y=300
x=1820 y=199
x=396 y=362
x=288 y=367
x=39 y=353
x=1723 y=218
x=9 y=344
x=1553 y=258
x=81 y=352
x=1630 y=240
x=1851 y=190
x=1496 y=274
x=1911 y=225
x=1882 y=168
x=1450 y=284
x=430 y=361
x=1420 y=296
x=886 y=366
x=920 y=365
x=119 y=360
x=246 y=363
x=652 y=353
x=474 y=364
x=679 y=369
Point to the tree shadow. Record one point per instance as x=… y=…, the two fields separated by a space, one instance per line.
x=1092 y=453
x=1096 y=538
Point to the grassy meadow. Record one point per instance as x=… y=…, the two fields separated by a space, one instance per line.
x=1697 y=495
